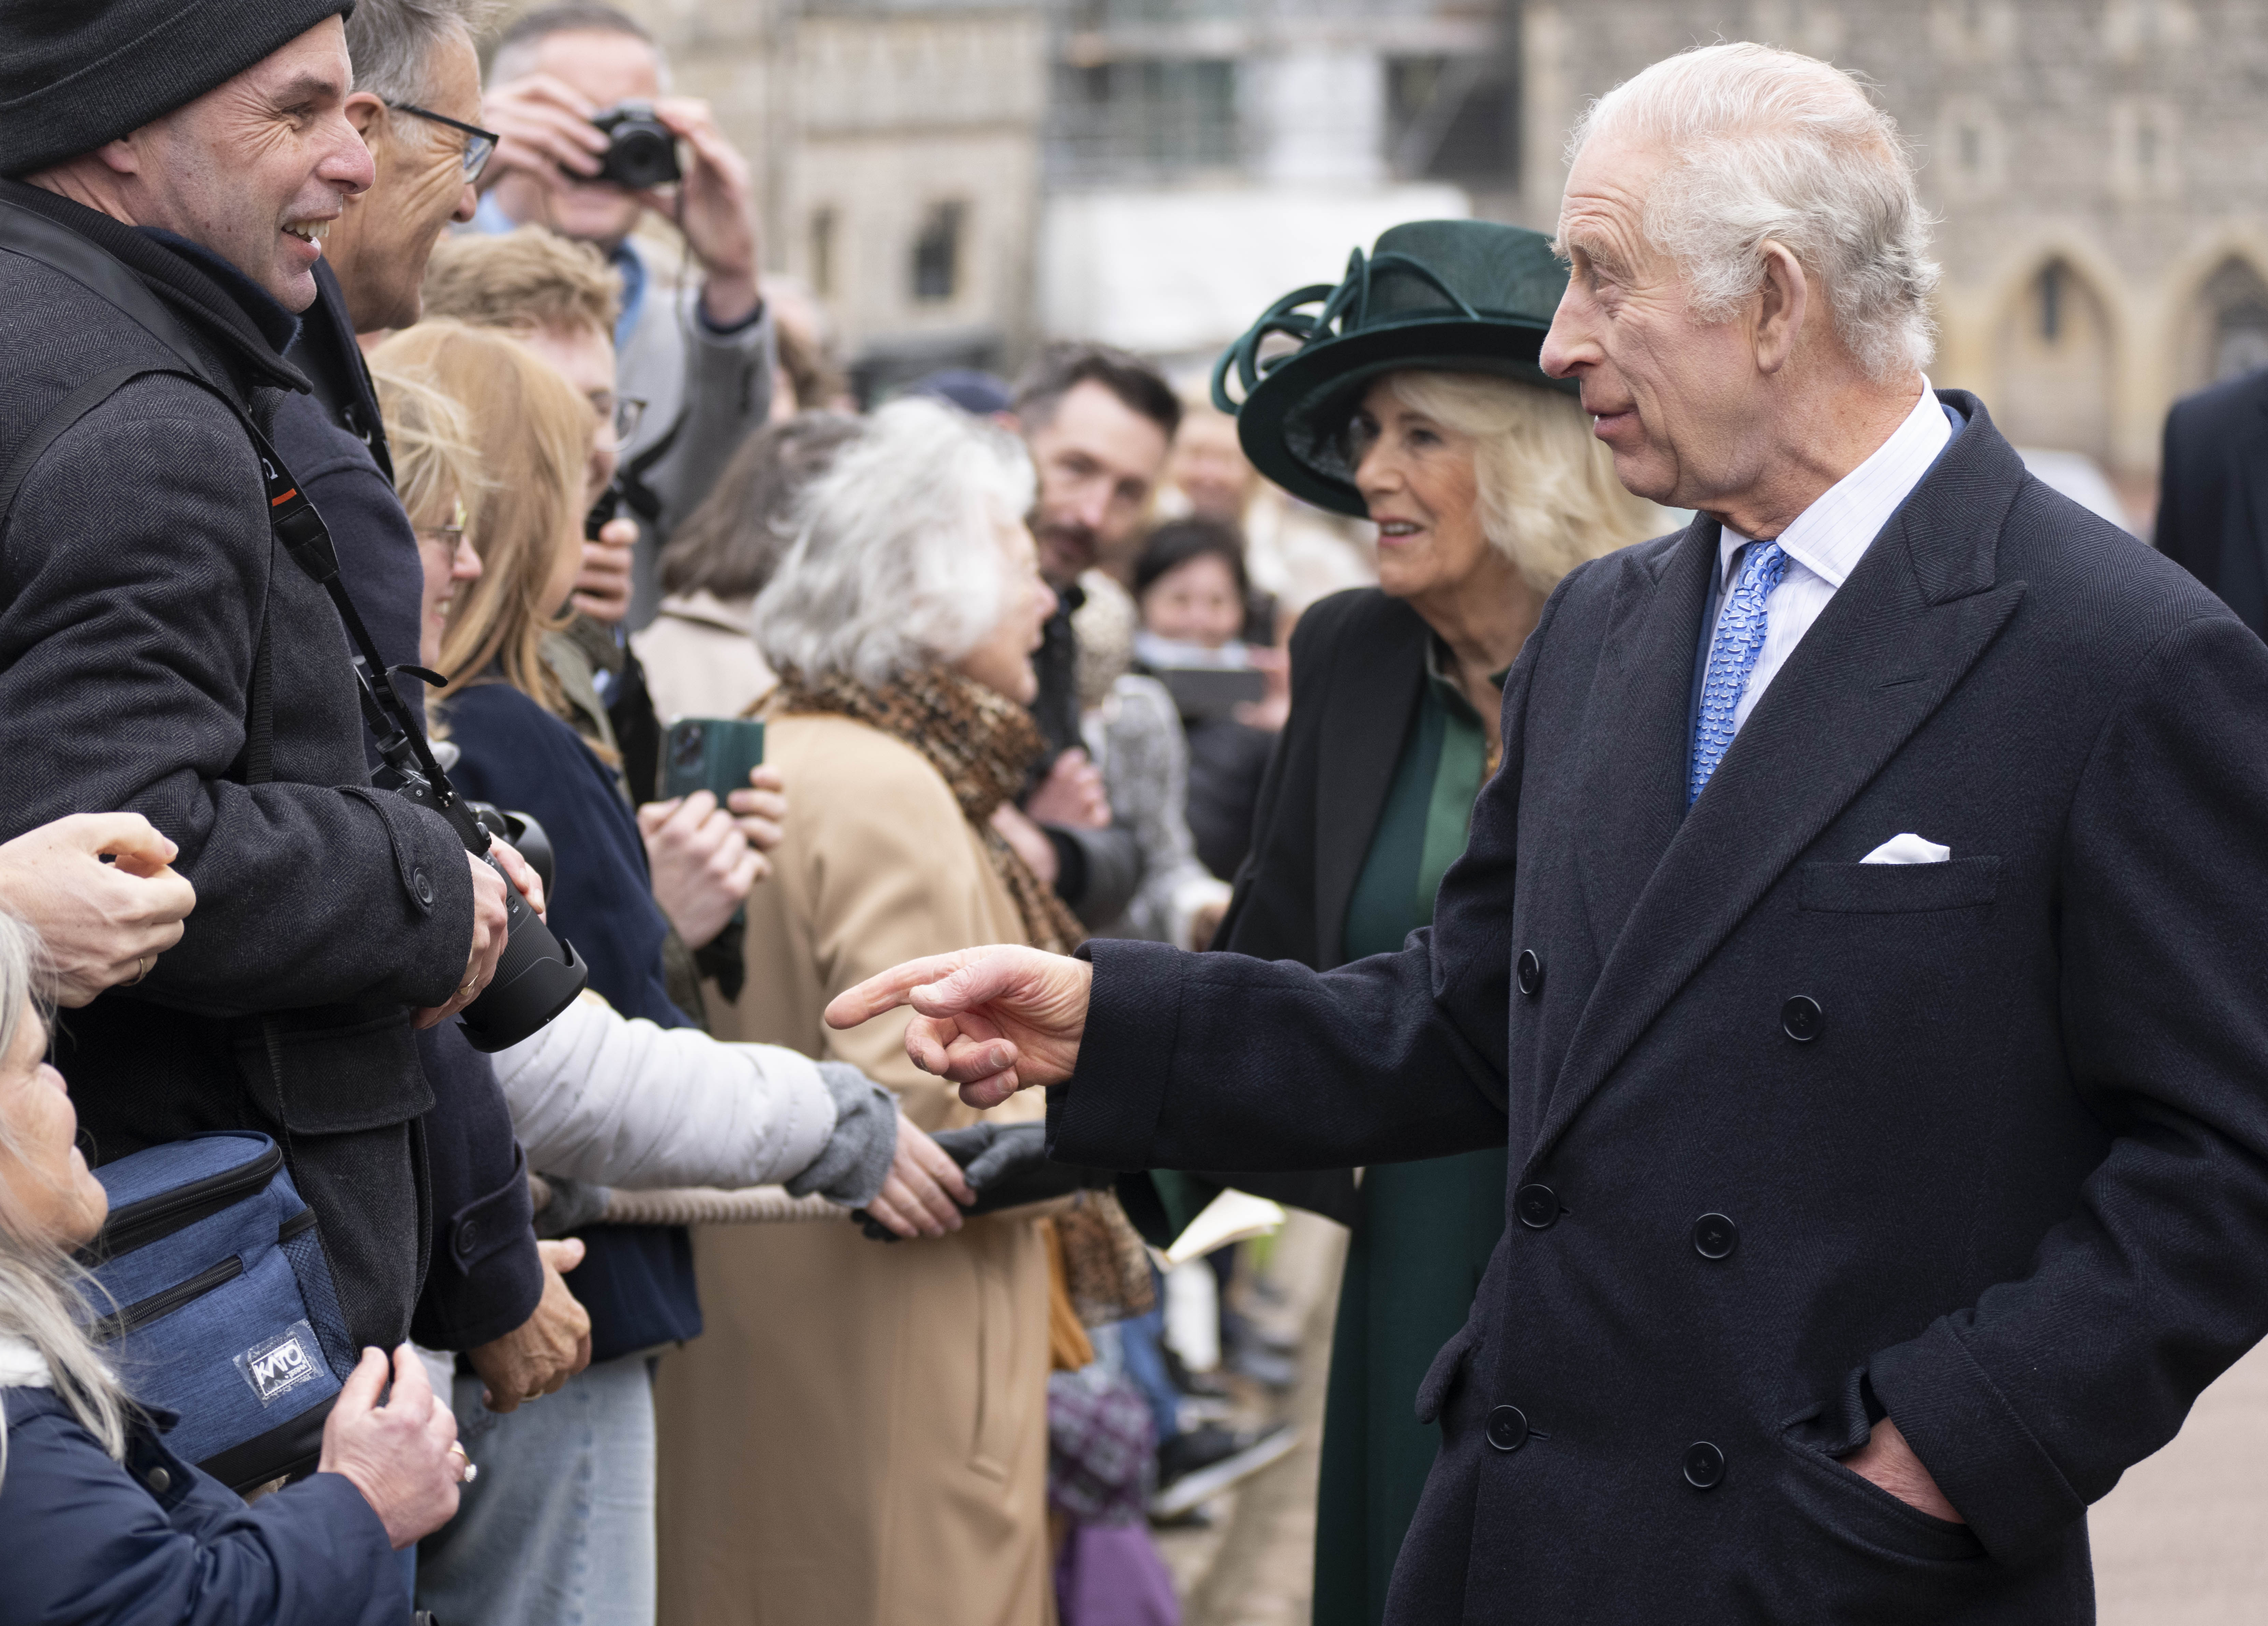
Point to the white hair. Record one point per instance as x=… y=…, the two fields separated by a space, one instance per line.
x=392 y=43
x=896 y=561
x=43 y=1292
x=1769 y=145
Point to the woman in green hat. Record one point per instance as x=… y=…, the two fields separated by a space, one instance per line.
x=1412 y=399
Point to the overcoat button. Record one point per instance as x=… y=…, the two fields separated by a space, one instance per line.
x=1715 y=1237
x=468 y=1236
x=1530 y=972
x=159 y=1481
x=1704 y=1465
x=423 y=885
x=1800 y=1018
x=1537 y=1206
x=1507 y=1428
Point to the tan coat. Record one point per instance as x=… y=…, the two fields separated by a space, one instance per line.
x=699 y=658
x=859 y=1439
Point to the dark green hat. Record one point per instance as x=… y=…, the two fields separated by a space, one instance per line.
x=1451 y=296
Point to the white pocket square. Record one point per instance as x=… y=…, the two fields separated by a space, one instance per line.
x=1907 y=848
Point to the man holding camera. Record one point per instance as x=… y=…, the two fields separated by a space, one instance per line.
x=587 y=144
x=161 y=654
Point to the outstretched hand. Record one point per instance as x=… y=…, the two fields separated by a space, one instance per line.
x=993 y=1020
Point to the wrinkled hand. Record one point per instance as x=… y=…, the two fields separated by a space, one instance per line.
x=489 y=935
x=993 y=1020
x=541 y=1353
x=103 y=923
x=704 y=868
x=543 y=125
x=396 y=1455
x=919 y=1198
x=1072 y=795
x=762 y=810
x=1030 y=842
x=714 y=206
x=602 y=591
x=1889 y=1461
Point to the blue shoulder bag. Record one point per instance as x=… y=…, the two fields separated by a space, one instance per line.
x=221 y=1309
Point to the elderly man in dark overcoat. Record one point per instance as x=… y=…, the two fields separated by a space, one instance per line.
x=171 y=172
x=1858 y=949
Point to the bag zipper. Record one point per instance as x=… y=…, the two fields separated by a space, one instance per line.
x=138 y=1225
x=141 y=1313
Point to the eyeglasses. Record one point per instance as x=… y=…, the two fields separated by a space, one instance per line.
x=629 y=412
x=480 y=144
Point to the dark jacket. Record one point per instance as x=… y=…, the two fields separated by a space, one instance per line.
x=139 y=582
x=636 y=1281
x=151 y=1542
x=484 y=1276
x=1796 y=1140
x=2212 y=503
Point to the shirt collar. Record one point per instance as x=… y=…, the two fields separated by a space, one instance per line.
x=1830 y=537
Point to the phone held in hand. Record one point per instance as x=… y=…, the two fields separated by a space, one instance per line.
x=1204 y=693
x=712 y=754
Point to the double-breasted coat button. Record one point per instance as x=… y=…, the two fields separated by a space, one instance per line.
x=1715 y=1236
x=1537 y=1206
x=1507 y=1428
x=1530 y=972
x=158 y=1480
x=1704 y=1465
x=1801 y=1019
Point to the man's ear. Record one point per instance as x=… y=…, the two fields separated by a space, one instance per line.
x=1783 y=300
x=121 y=157
x=366 y=111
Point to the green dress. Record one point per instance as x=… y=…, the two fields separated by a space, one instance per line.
x=1427 y=1228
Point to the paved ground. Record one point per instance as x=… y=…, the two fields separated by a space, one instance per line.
x=2181 y=1541
x=2184 y=1540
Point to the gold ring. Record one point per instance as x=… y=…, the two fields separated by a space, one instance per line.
x=144 y=961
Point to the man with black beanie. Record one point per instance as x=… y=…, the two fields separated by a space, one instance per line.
x=160 y=653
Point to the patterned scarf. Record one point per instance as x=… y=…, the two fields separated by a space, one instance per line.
x=981 y=742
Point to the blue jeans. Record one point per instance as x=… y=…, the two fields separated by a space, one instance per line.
x=558 y=1529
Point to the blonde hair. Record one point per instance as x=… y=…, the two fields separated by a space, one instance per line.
x=42 y=1290
x=1548 y=496
x=531 y=432
x=435 y=462
x=528 y=278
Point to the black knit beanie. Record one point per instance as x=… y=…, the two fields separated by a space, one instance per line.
x=76 y=73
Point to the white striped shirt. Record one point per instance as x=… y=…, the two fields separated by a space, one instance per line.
x=1826 y=540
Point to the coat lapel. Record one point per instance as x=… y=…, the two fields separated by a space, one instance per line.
x=1637 y=729
x=1373 y=691
x=1917 y=613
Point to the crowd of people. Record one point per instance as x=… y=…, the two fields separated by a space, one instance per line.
x=392 y=545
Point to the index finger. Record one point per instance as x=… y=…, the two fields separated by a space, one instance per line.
x=888 y=991
x=121 y=835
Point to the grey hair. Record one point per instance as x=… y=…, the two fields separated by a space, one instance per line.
x=391 y=44
x=896 y=563
x=1765 y=144
x=42 y=1290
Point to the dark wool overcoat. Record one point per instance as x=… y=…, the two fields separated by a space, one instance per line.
x=1798 y=1141
x=137 y=577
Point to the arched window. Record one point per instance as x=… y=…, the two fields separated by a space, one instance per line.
x=2236 y=300
x=2055 y=364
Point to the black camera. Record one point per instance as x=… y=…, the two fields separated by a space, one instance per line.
x=640 y=151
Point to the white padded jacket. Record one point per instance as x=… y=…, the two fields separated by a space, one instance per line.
x=599 y=1098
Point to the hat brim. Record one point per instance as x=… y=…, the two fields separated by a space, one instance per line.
x=1290 y=424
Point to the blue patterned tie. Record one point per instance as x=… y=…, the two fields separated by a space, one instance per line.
x=1732 y=660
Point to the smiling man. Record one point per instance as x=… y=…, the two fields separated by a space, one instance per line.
x=1851 y=951
x=172 y=170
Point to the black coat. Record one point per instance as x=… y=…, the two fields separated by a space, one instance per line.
x=1989 y=1134
x=484 y=1276
x=2213 y=507
x=137 y=573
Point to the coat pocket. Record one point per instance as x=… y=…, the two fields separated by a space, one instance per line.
x=1859 y=1514
x=1441 y=1376
x=1897 y=889
x=334 y=1069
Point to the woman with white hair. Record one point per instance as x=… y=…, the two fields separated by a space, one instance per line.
x=860 y=1438
x=1415 y=403
x=100 y=1522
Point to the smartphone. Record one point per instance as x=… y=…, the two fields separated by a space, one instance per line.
x=1204 y=693
x=711 y=753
